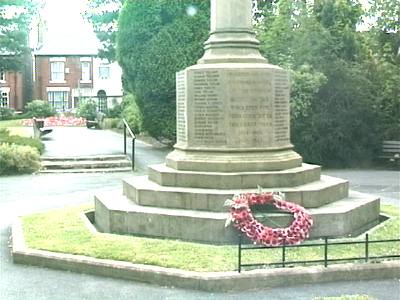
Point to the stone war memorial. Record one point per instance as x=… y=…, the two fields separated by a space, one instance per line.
x=233 y=134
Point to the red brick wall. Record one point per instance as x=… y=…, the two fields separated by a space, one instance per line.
x=14 y=81
x=72 y=79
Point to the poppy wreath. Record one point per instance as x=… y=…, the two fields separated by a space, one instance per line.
x=243 y=219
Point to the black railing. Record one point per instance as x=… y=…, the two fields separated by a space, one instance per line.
x=325 y=244
x=127 y=128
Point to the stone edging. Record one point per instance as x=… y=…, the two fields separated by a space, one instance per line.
x=207 y=281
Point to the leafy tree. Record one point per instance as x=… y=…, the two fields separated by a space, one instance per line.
x=333 y=118
x=156 y=39
x=103 y=14
x=15 y=18
x=387 y=13
x=382 y=62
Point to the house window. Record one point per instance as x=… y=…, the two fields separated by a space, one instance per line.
x=104 y=72
x=58 y=99
x=4 y=99
x=2 y=76
x=85 y=71
x=57 y=71
x=102 y=101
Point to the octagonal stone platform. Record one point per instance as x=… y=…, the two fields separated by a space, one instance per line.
x=116 y=213
x=165 y=205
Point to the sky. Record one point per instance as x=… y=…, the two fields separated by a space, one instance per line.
x=65 y=23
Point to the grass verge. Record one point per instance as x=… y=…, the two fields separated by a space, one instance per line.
x=15 y=127
x=10 y=123
x=65 y=231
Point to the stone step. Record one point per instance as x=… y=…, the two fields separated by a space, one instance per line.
x=145 y=192
x=96 y=170
x=165 y=176
x=115 y=213
x=84 y=158
x=87 y=164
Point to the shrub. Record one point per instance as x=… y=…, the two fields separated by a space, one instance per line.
x=131 y=113
x=115 y=110
x=6 y=113
x=39 y=109
x=109 y=123
x=87 y=110
x=16 y=159
x=333 y=120
x=5 y=137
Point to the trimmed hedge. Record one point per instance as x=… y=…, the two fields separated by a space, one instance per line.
x=155 y=40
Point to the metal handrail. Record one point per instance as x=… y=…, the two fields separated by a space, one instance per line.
x=126 y=126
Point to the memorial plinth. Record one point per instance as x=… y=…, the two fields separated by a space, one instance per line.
x=233 y=134
x=233 y=117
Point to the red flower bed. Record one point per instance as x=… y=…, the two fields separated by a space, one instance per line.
x=59 y=121
x=243 y=220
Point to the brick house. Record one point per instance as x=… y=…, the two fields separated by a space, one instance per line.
x=64 y=76
x=16 y=87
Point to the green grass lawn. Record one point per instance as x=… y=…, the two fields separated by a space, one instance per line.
x=65 y=231
x=11 y=123
x=15 y=127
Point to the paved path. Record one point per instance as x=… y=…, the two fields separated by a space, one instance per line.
x=31 y=193
x=80 y=141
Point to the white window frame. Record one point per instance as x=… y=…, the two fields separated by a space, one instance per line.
x=2 y=77
x=85 y=72
x=4 y=98
x=58 y=104
x=105 y=67
x=57 y=71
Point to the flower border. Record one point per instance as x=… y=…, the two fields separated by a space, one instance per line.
x=243 y=219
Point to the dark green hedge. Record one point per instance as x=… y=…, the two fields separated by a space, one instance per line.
x=156 y=39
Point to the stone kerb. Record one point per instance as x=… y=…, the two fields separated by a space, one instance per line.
x=206 y=281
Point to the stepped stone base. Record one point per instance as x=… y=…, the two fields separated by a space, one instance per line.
x=188 y=205
x=166 y=176
x=148 y=193
x=115 y=213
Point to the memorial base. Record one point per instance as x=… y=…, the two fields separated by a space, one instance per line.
x=213 y=161
x=188 y=205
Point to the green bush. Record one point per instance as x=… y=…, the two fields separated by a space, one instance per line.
x=5 y=137
x=109 y=123
x=39 y=109
x=333 y=120
x=87 y=110
x=16 y=159
x=155 y=40
x=131 y=113
x=6 y=113
x=115 y=110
